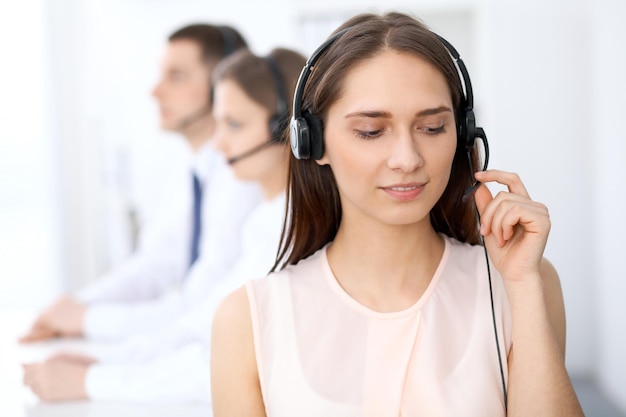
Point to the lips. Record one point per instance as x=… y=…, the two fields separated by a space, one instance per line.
x=404 y=192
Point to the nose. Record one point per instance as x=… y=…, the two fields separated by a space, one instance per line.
x=219 y=141
x=156 y=90
x=405 y=152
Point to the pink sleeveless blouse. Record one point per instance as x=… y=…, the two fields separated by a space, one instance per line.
x=321 y=353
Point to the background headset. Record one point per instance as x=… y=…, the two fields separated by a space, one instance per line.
x=228 y=40
x=279 y=121
x=306 y=135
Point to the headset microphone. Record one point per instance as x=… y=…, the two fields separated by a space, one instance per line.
x=250 y=152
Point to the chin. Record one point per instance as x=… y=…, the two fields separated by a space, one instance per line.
x=169 y=127
x=241 y=176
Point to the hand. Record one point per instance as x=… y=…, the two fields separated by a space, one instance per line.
x=56 y=380
x=63 y=318
x=77 y=358
x=515 y=227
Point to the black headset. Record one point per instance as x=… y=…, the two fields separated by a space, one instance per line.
x=306 y=130
x=229 y=40
x=280 y=119
x=306 y=135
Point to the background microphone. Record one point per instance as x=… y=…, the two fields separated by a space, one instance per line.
x=250 y=152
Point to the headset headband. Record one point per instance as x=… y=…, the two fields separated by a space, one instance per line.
x=306 y=132
x=306 y=71
x=228 y=40
x=281 y=97
x=467 y=84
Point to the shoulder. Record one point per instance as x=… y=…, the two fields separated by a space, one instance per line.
x=235 y=386
x=233 y=313
x=232 y=343
x=232 y=333
x=549 y=274
x=463 y=255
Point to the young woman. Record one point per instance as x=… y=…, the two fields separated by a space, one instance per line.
x=384 y=307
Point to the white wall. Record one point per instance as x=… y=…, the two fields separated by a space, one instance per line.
x=607 y=153
x=537 y=93
x=29 y=228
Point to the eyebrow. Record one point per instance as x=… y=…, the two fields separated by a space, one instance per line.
x=387 y=115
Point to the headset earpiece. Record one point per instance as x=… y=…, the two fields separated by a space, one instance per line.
x=316 y=135
x=299 y=138
x=278 y=126
x=467 y=130
x=306 y=132
x=307 y=136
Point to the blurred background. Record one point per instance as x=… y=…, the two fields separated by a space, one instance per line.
x=82 y=157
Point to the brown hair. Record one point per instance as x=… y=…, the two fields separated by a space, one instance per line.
x=216 y=42
x=314 y=207
x=254 y=75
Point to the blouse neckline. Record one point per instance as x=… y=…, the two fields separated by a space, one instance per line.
x=360 y=308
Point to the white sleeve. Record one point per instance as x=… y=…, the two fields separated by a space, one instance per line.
x=181 y=376
x=231 y=203
x=191 y=327
x=162 y=257
x=115 y=321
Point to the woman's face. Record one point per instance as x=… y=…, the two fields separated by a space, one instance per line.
x=390 y=139
x=242 y=124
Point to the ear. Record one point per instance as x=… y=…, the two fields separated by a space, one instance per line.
x=323 y=160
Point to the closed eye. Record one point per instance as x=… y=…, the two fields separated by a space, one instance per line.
x=433 y=130
x=368 y=134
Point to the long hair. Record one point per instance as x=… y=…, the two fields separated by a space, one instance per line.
x=254 y=76
x=314 y=208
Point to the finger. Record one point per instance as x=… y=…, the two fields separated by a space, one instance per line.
x=70 y=357
x=37 y=333
x=510 y=179
x=488 y=213
x=514 y=212
x=505 y=219
x=482 y=197
x=30 y=371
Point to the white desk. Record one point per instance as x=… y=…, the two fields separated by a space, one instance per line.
x=18 y=401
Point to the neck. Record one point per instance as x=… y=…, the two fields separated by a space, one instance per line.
x=199 y=133
x=385 y=267
x=275 y=182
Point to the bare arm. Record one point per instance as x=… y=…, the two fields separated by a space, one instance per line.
x=235 y=386
x=516 y=230
x=554 y=302
x=538 y=380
